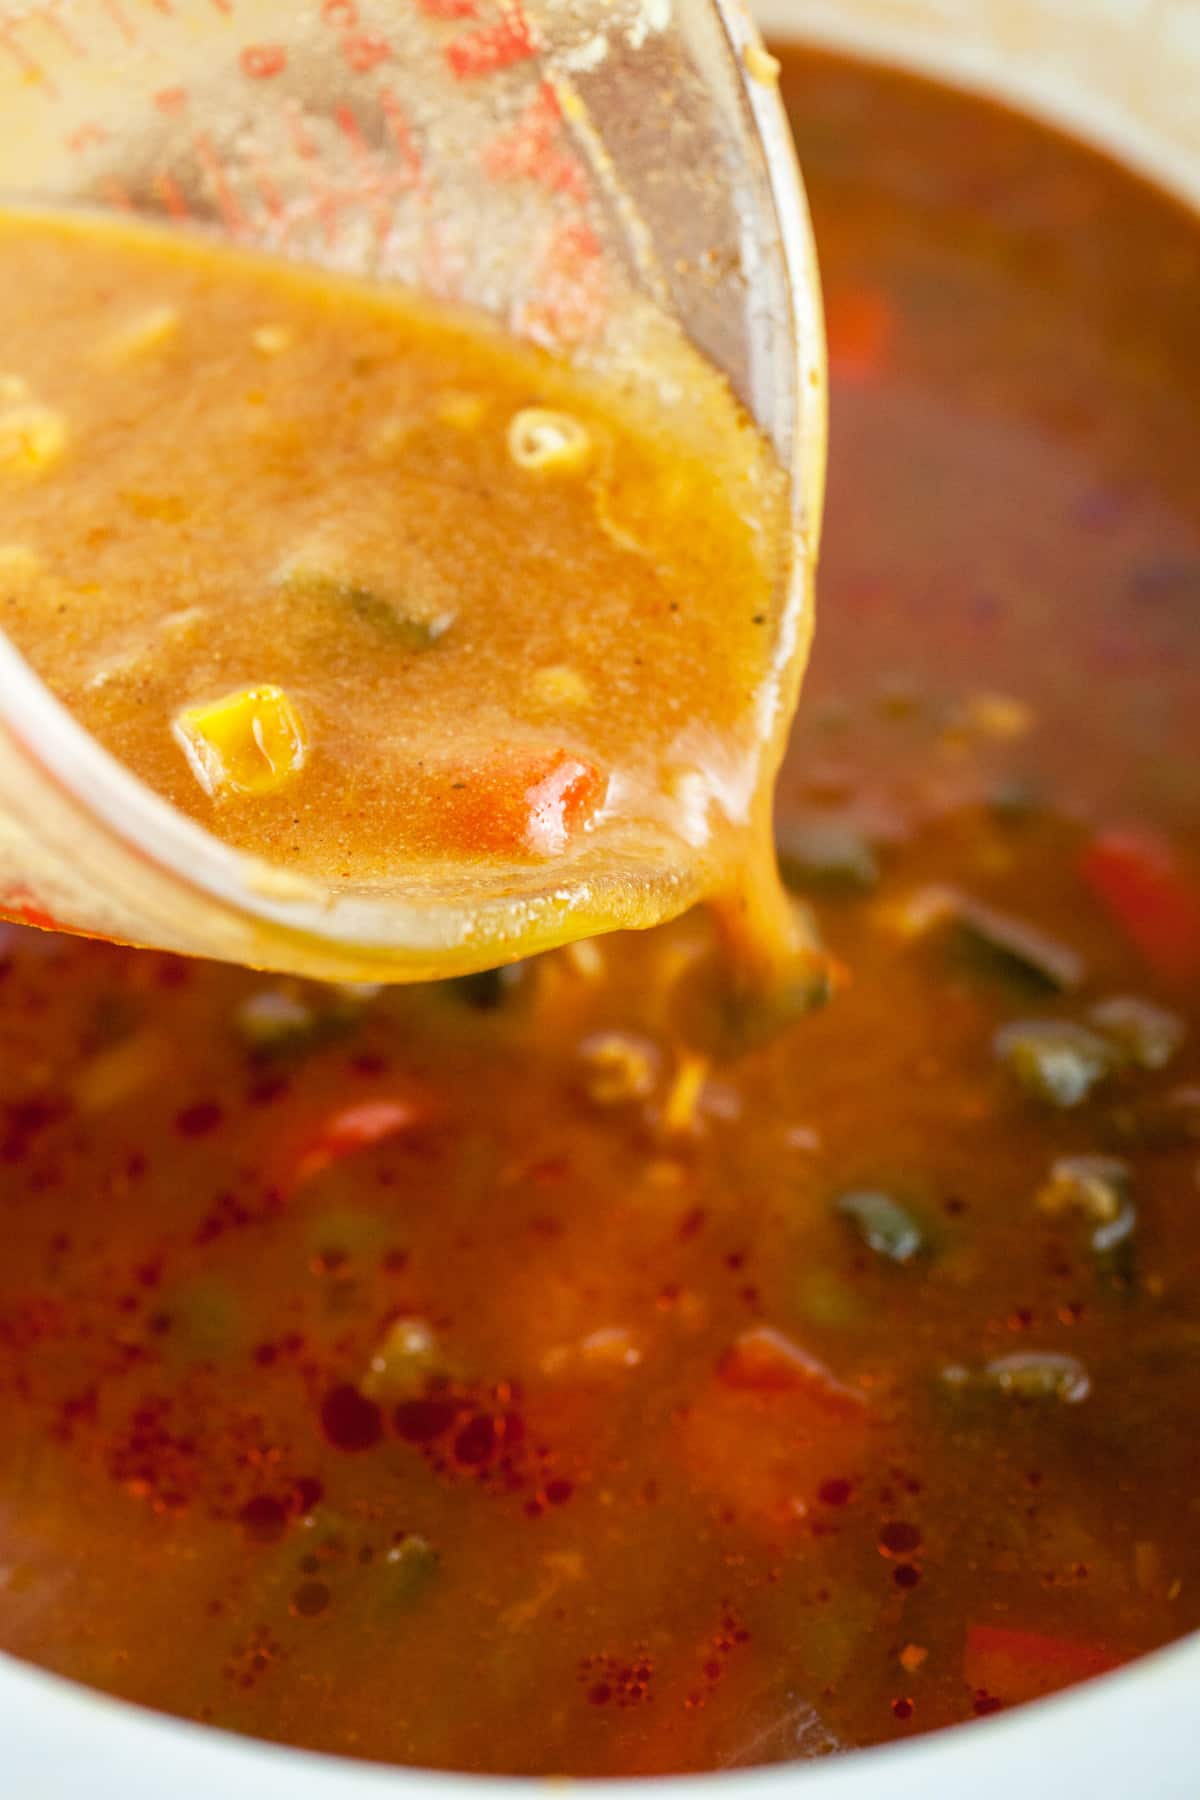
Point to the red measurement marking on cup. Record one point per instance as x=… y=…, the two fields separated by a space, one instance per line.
x=365 y=50
x=440 y=262
x=227 y=201
x=117 y=14
x=50 y=17
x=114 y=194
x=269 y=194
x=372 y=183
x=261 y=61
x=402 y=136
x=29 y=66
x=532 y=150
x=321 y=198
x=569 y=301
x=172 y=195
x=492 y=47
x=87 y=137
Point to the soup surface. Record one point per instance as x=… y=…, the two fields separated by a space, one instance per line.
x=480 y=1376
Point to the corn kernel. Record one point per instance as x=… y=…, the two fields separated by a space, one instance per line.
x=248 y=742
x=586 y=958
x=460 y=410
x=618 y=1067
x=390 y=437
x=271 y=340
x=683 y=1104
x=121 y=1071
x=18 y=562
x=32 y=438
x=559 y=685
x=998 y=716
x=138 y=337
x=549 y=443
x=760 y=65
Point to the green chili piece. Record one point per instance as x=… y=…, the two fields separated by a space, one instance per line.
x=827 y=856
x=1054 y=1060
x=1014 y=950
x=885 y=1224
x=1146 y=1035
x=1026 y=1375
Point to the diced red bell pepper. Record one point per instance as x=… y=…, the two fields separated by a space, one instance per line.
x=351 y=1129
x=1137 y=878
x=769 y=1428
x=859 y=327
x=1014 y=1665
x=764 y=1361
x=519 y=802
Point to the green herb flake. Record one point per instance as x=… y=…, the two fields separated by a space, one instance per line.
x=885 y=1224
x=1054 y=1060
x=1147 y=1036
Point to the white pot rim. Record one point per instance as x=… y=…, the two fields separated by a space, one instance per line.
x=1134 y=1731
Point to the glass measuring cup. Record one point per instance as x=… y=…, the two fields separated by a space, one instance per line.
x=610 y=180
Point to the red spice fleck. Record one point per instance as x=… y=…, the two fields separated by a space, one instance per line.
x=310 y=1599
x=264 y=1519
x=986 y=1703
x=836 y=1492
x=559 y=1492
x=898 y=1537
x=307 y=1493
x=903 y=1708
x=267 y=1091
x=198 y=1120
x=421 y=1421
x=349 y=1420
x=476 y=1442
x=608 y=1678
x=906 y=1575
